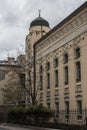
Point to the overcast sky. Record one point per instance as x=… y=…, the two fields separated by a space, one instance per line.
x=16 y=16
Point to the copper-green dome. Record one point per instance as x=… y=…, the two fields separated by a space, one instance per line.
x=39 y=21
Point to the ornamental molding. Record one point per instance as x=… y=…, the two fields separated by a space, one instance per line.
x=72 y=39
x=76 y=40
x=62 y=32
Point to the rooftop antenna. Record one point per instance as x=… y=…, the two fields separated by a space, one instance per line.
x=39 y=11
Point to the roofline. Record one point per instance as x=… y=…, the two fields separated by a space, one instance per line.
x=84 y=5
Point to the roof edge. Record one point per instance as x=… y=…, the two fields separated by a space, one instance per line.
x=84 y=5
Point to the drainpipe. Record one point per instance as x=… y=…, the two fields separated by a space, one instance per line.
x=34 y=91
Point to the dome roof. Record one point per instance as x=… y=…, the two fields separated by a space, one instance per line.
x=39 y=22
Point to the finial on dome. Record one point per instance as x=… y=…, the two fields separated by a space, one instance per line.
x=39 y=11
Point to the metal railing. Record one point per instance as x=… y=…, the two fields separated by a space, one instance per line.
x=72 y=117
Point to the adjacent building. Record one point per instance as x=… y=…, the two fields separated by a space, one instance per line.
x=8 y=68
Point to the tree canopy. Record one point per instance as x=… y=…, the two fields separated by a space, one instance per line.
x=13 y=92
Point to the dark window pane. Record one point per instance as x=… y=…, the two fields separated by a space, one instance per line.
x=48 y=80
x=2 y=74
x=41 y=69
x=66 y=58
x=41 y=82
x=79 y=109
x=66 y=75
x=77 y=52
x=67 y=109
x=56 y=78
x=55 y=62
x=48 y=66
x=78 y=71
x=48 y=105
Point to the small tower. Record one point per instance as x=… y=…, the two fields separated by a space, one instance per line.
x=38 y=28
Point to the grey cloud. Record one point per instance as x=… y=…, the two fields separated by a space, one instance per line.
x=16 y=16
x=12 y=38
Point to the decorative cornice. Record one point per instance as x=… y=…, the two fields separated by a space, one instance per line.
x=62 y=32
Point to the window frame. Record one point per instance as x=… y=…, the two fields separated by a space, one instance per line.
x=56 y=78
x=55 y=62
x=48 y=66
x=77 y=52
x=66 y=74
x=79 y=109
x=41 y=82
x=48 y=81
x=78 y=71
x=66 y=58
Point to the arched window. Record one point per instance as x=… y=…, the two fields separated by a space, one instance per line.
x=77 y=52
x=66 y=58
x=41 y=69
x=47 y=66
x=78 y=71
x=55 y=62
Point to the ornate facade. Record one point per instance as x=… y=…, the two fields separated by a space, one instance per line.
x=61 y=67
x=56 y=66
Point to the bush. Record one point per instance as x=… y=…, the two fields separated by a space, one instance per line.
x=33 y=115
x=16 y=115
x=39 y=114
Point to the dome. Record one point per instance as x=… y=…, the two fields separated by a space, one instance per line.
x=39 y=22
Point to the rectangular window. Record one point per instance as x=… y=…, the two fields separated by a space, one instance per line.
x=65 y=58
x=67 y=110
x=41 y=69
x=2 y=74
x=48 y=66
x=48 y=80
x=57 y=107
x=22 y=76
x=56 y=114
x=77 y=52
x=56 y=78
x=79 y=109
x=67 y=107
x=48 y=105
x=55 y=62
x=78 y=71
x=66 y=75
x=41 y=82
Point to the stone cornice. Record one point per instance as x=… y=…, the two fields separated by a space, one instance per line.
x=62 y=42
x=80 y=20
